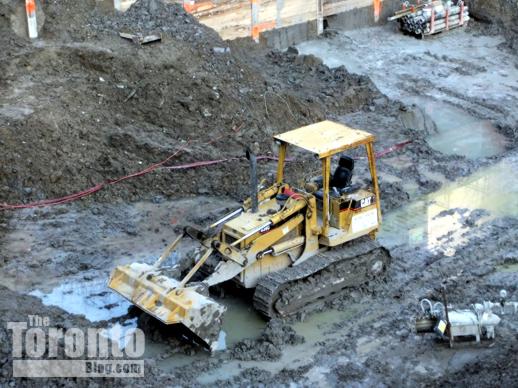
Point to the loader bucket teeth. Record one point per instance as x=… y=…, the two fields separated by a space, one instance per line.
x=159 y=295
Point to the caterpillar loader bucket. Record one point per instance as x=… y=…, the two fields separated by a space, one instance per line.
x=170 y=300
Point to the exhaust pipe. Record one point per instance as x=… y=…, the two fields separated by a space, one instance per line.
x=253 y=179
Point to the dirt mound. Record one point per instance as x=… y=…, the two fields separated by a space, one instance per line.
x=7 y=35
x=154 y=15
x=16 y=308
x=68 y=20
x=74 y=114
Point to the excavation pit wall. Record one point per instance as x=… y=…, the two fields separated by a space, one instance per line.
x=361 y=17
x=354 y=18
x=344 y=16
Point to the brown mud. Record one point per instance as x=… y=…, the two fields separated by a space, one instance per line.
x=81 y=105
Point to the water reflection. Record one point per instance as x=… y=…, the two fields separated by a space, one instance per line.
x=89 y=298
x=439 y=220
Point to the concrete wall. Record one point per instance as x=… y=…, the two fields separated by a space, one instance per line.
x=362 y=16
x=352 y=18
x=288 y=36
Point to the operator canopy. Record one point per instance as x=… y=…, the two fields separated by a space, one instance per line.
x=326 y=138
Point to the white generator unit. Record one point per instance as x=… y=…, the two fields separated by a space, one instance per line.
x=479 y=321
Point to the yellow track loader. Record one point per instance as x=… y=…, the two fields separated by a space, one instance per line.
x=278 y=242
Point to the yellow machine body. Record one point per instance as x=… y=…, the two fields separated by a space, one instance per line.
x=250 y=245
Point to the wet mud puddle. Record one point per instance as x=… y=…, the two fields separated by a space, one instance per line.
x=316 y=328
x=440 y=76
x=440 y=219
x=89 y=298
x=425 y=221
x=456 y=68
x=93 y=300
x=452 y=131
x=509 y=268
x=97 y=303
x=240 y=322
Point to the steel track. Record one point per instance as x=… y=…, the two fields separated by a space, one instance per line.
x=318 y=279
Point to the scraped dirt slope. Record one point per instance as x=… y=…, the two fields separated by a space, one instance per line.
x=82 y=105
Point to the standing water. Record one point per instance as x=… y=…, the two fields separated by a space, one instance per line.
x=455 y=132
x=441 y=213
x=89 y=298
x=423 y=221
x=448 y=69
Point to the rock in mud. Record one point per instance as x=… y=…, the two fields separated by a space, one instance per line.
x=349 y=372
x=274 y=338
x=475 y=216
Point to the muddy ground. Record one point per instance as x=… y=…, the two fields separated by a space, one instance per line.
x=80 y=106
x=101 y=107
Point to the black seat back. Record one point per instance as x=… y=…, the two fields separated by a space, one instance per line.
x=343 y=173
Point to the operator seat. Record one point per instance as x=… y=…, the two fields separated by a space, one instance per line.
x=341 y=179
x=343 y=173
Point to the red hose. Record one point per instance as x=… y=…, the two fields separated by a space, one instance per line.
x=393 y=148
x=92 y=190
x=153 y=167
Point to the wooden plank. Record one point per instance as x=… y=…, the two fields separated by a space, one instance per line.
x=231 y=19
x=333 y=7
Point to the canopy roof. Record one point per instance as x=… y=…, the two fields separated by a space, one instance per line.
x=326 y=138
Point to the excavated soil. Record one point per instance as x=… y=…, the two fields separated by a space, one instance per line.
x=80 y=106
x=501 y=14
